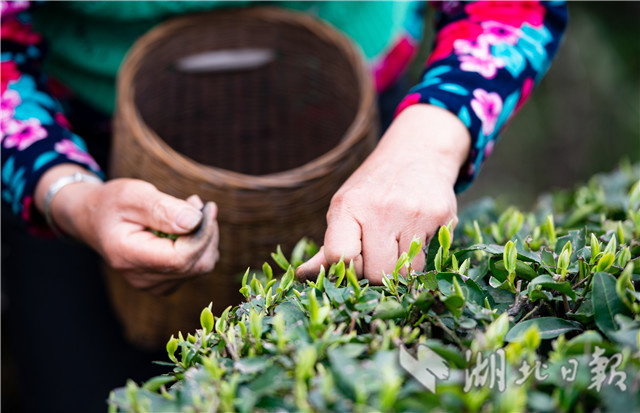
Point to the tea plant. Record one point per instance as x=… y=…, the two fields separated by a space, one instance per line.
x=534 y=311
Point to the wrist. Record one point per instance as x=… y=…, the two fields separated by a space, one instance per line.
x=62 y=195
x=432 y=134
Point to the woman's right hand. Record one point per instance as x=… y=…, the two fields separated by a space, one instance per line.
x=114 y=218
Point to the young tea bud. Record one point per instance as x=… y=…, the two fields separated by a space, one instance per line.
x=172 y=346
x=206 y=319
x=509 y=256
x=595 y=248
x=444 y=236
x=605 y=262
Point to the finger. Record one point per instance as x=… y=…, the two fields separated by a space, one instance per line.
x=207 y=261
x=145 y=280
x=144 y=251
x=202 y=245
x=153 y=283
x=166 y=288
x=343 y=240
x=163 y=212
x=380 y=254
x=310 y=269
x=205 y=233
x=418 y=262
x=195 y=201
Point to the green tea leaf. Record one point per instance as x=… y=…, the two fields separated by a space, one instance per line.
x=523 y=270
x=471 y=291
x=547 y=260
x=297 y=254
x=509 y=257
x=595 y=248
x=424 y=301
x=547 y=282
x=623 y=257
x=454 y=303
x=548 y=327
x=634 y=196
x=206 y=319
x=432 y=249
x=606 y=303
x=268 y=271
x=154 y=383
x=253 y=365
x=437 y=261
x=280 y=259
x=389 y=309
x=496 y=331
x=161 y=234
x=495 y=249
x=444 y=237
x=416 y=245
x=605 y=262
x=172 y=346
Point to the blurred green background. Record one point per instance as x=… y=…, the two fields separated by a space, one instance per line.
x=583 y=118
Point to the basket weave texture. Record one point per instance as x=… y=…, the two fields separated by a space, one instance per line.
x=270 y=144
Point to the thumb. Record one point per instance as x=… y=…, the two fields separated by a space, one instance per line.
x=166 y=213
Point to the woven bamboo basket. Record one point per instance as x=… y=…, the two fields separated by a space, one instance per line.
x=270 y=144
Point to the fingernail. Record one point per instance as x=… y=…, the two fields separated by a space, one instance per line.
x=188 y=218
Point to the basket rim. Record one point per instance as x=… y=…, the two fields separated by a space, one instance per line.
x=182 y=164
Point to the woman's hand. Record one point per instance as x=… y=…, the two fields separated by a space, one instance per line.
x=114 y=218
x=403 y=189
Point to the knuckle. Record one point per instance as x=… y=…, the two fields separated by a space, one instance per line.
x=332 y=255
x=336 y=207
x=443 y=212
x=206 y=263
x=338 y=199
x=342 y=202
x=116 y=263
x=414 y=209
x=205 y=266
x=139 y=185
x=138 y=281
x=158 y=209
x=180 y=263
x=114 y=257
x=126 y=188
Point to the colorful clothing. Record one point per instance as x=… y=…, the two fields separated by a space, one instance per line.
x=487 y=57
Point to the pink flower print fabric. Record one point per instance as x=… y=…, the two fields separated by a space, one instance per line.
x=487 y=106
x=34 y=134
x=74 y=152
x=486 y=59
x=22 y=134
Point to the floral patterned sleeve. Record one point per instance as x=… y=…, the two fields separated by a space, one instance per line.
x=34 y=134
x=487 y=58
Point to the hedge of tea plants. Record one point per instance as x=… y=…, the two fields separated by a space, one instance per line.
x=514 y=311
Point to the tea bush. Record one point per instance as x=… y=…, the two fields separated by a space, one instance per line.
x=515 y=311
